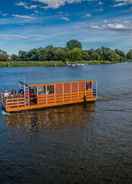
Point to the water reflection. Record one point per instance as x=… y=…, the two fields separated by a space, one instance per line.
x=70 y=144
x=60 y=117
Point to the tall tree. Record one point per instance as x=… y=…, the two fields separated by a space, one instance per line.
x=74 y=44
x=129 y=54
x=3 y=56
x=121 y=54
x=22 y=55
x=75 y=54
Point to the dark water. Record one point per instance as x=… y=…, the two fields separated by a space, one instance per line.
x=70 y=144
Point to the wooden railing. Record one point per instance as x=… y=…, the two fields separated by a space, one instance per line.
x=66 y=97
x=15 y=101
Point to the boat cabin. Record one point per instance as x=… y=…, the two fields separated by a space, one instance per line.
x=37 y=96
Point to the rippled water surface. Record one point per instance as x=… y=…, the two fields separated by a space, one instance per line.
x=70 y=144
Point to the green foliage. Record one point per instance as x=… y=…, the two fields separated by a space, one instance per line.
x=3 y=56
x=129 y=54
x=120 y=53
x=74 y=44
x=73 y=52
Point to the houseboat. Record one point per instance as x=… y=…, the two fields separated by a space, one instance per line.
x=38 y=96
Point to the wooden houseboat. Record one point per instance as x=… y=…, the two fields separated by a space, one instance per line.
x=37 y=96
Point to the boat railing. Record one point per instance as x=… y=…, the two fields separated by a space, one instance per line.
x=14 y=101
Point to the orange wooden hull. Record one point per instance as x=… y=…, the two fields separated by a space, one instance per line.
x=61 y=94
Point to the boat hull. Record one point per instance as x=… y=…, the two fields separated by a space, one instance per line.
x=44 y=106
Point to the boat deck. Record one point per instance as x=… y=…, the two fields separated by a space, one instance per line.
x=37 y=96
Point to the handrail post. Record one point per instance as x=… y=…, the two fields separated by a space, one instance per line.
x=55 y=92
x=46 y=94
x=85 y=87
x=78 y=87
x=71 y=90
x=96 y=89
x=63 y=90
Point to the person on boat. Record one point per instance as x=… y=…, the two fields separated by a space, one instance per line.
x=21 y=91
x=13 y=92
x=6 y=94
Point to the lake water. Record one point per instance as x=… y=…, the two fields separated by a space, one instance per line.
x=70 y=144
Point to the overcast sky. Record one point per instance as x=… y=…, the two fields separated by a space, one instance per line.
x=25 y=24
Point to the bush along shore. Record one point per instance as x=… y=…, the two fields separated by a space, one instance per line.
x=72 y=54
x=51 y=63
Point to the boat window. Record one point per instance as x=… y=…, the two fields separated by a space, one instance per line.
x=41 y=90
x=59 y=89
x=94 y=86
x=74 y=87
x=33 y=91
x=67 y=87
x=88 y=85
x=50 y=89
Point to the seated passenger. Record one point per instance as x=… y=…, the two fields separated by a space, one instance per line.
x=21 y=91
x=6 y=94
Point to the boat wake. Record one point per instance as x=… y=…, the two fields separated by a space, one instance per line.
x=4 y=113
x=104 y=98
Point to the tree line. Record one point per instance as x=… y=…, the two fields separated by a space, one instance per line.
x=72 y=52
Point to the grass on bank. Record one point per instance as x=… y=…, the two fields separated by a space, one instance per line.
x=48 y=63
x=30 y=63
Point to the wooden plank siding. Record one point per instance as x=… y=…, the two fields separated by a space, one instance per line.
x=54 y=94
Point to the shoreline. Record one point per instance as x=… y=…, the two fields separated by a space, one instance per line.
x=10 y=64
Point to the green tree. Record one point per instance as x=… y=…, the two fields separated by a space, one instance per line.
x=14 y=57
x=3 y=56
x=74 y=44
x=95 y=56
x=75 y=54
x=129 y=54
x=50 y=53
x=61 y=54
x=33 y=55
x=114 y=57
x=121 y=54
x=85 y=55
x=22 y=55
